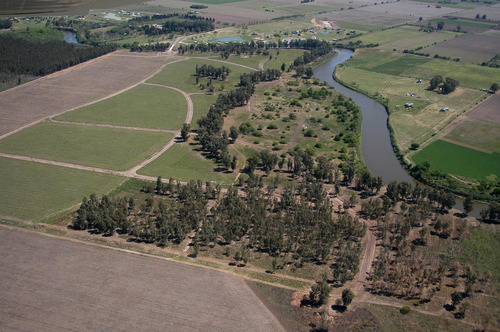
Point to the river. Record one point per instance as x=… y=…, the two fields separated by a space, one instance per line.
x=376 y=146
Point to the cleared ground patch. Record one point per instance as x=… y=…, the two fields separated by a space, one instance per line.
x=33 y=191
x=74 y=87
x=181 y=75
x=469 y=48
x=491 y=12
x=479 y=133
x=117 y=149
x=464 y=23
x=180 y=162
x=388 y=14
x=488 y=109
x=63 y=285
x=455 y=159
x=144 y=106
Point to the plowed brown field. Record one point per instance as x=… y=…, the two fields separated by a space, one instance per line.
x=55 y=284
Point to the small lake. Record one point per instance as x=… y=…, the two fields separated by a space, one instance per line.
x=227 y=40
x=70 y=37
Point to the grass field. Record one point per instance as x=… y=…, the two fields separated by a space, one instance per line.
x=117 y=149
x=480 y=133
x=251 y=61
x=404 y=37
x=454 y=23
x=144 y=106
x=33 y=191
x=181 y=75
x=424 y=119
x=455 y=159
x=180 y=162
x=471 y=76
x=201 y=104
x=285 y=56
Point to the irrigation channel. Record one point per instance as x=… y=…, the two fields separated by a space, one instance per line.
x=376 y=146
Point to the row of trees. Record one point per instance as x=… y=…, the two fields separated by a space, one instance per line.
x=22 y=56
x=182 y=24
x=158 y=47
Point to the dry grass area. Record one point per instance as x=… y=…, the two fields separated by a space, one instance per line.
x=487 y=110
x=73 y=87
x=470 y=48
x=59 y=285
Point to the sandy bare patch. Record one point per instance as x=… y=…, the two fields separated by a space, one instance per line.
x=488 y=110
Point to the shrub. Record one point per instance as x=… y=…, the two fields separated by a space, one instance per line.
x=405 y=310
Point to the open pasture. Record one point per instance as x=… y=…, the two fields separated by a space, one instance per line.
x=469 y=48
x=404 y=37
x=451 y=3
x=144 y=106
x=389 y=14
x=448 y=22
x=471 y=76
x=478 y=133
x=182 y=163
x=34 y=191
x=415 y=124
x=110 y=148
x=73 y=87
x=488 y=109
x=492 y=13
x=246 y=60
x=182 y=75
x=201 y=104
x=285 y=56
x=66 y=285
x=459 y=160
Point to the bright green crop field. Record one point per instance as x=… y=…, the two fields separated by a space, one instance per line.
x=144 y=106
x=455 y=159
x=117 y=149
x=34 y=191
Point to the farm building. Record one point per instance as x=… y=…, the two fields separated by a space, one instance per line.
x=409 y=105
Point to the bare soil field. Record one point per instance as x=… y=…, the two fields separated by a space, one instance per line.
x=470 y=48
x=389 y=14
x=56 y=284
x=487 y=110
x=74 y=87
x=492 y=13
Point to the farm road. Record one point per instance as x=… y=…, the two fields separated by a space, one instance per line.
x=58 y=284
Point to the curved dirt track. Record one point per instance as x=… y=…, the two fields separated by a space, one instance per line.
x=56 y=284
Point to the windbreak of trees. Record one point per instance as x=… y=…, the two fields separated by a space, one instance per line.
x=158 y=47
x=5 y=23
x=184 y=23
x=22 y=56
x=212 y=138
x=212 y=72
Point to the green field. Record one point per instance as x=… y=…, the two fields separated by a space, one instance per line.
x=284 y=56
x=404 y=37
x=201 y=104
x=118 y=149
x=180 y=162
x=34 y=191
x=454 y=23
x=480 y=133
x=459 y=160
x=250 y=61
x=471 y=76
x=181 y=75
x=143 y=106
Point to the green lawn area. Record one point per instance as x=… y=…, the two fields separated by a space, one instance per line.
x=454 y=23
x=181 y=75
x=201 y=104
x=284 y=56
x=143 y=106
x=480 y=133
x=118 y=149
x=180 y=162
x=471 y=76
x=455 y=159
x=251 y=61
x=34 y=191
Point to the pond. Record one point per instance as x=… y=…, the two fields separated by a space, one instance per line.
x=227 y=40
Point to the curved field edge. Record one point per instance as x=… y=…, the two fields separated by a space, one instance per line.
x=111 y=148
x=143 y=106
x=35 y=191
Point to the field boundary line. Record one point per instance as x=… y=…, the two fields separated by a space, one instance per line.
x=91 y=102
x=469 y=146
x=105 y=125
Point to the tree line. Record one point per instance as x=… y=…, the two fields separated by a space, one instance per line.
x=23 y=56
x=182 y=24
x=212 y=72
x=158 y=47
